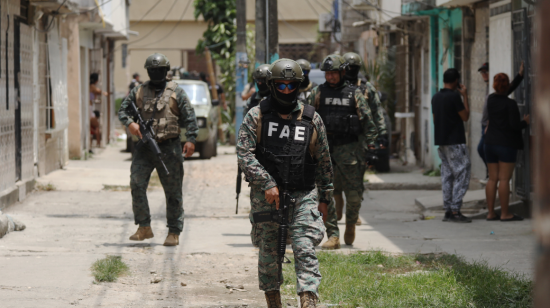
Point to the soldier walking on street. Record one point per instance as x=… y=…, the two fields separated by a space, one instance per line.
x=371 y=95
x=279 y=130
x=167 y=107
x=346 y=115
x=307 y=85
x=260 y=78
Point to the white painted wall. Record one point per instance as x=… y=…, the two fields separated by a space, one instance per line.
x=500 y=46
x=391 y=8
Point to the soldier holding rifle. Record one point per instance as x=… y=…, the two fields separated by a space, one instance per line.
x=282 y=149
x=154 y=111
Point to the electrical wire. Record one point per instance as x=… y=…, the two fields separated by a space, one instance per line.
x=173 y=28
x=53 y=13
x=147 y=13
x=97 y=7
x=158 y=25
x=312 y=7
x=298 y=31
x=322 y=5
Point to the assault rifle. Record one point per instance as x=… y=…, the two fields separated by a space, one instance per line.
x=239 y=182
x=147 y=134
x=280 y=216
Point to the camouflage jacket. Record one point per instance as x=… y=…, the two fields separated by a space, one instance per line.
x=370 y=93
x=257 y=175
x=363 y=111
x=186 y=112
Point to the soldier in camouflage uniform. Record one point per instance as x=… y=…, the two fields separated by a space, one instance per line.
x=307 y=85
x=369 y=91
x=346 y=115
x=260 y=78
x=281 y=126
x=169 y=106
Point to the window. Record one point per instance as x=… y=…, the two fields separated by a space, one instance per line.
x=196 y=92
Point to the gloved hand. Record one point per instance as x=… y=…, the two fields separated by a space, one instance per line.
x=383 y=141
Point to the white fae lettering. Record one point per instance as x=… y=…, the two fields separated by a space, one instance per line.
x=285 y=132
x=299 y=133
x=272 y=128
x=337 y=101
x=345 y=101
x=328 y=101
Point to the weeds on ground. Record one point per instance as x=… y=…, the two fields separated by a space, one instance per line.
x=116 y=187
x=378 y=279
x=109 y=269
x=45 y=187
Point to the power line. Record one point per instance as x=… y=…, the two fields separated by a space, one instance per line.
x=328 y=10
x=173 y=28
x=312 y=7
x=53 y=13
x=147 y=13
x=158 y=25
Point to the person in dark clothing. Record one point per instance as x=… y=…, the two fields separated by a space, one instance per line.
x=502 y=141
x=484 y=71
x=449 y=112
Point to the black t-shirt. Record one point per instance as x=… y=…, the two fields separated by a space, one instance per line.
x=505 y=124
x=219 y=88
x=448 y=126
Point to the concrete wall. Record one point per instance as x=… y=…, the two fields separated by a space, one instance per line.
x=478 y=88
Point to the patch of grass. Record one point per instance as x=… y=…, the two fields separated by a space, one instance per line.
x=116 y=187
x=118 y=102
x=45 y=187
x=109 y=269
x=378 y=279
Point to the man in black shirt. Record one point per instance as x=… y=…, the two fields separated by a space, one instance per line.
x=449 y=113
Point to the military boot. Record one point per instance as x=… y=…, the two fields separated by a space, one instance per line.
x=359 y=222
x=349 y=235
x=339 y=204
x=273 y=299
x=332 y=243
x=142 y=233
x=172 y=239
x=308 y=300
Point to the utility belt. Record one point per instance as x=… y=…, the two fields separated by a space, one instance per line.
x=340 y=139
x=169 y=140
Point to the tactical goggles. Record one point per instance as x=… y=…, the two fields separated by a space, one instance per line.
x=306 y=72
x=282 y=86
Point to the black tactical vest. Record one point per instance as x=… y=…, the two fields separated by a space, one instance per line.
x=284 y=147
x=338 y=109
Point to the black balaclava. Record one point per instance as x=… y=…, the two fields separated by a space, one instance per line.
x=305 y=82
x=284 y=103
x=351 y=74
x=157 y=76
x=263 y=89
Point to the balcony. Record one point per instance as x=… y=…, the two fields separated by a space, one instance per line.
x=409 y=7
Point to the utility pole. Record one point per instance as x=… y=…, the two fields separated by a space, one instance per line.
x=541 y=164
x=242 y=63
x=267 y=32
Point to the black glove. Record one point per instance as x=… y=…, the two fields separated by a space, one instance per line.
x=383 y=140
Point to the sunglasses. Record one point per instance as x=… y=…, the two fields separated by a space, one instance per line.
x=282 y=86
x=306 y=72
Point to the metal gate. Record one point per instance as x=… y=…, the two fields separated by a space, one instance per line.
x=522 y=27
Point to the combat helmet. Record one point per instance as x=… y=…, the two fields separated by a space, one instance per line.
x=260 y=76
x=260 y=73
x=304 y=64
x=157 y=60
x=352 y=59
x=284 y=69
x=333 y=63
x=157 y=66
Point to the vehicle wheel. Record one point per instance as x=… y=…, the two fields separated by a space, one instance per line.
x=215 y=145
x=383 y=163
x=209 y=147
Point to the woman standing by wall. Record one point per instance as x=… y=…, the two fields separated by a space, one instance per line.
x=502 y=141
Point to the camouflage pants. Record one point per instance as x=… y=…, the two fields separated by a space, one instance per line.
x=332 y=221
x=143 y=164
x=306 y=232
x=349 y=169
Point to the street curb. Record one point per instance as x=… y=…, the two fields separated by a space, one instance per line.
x=403 y=186
x=17 y=192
